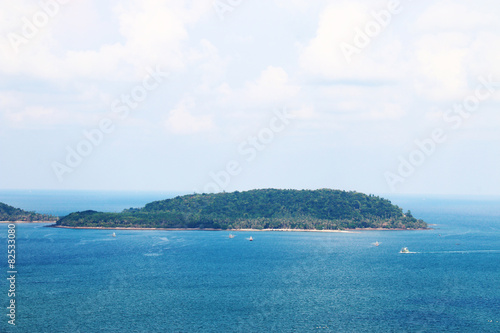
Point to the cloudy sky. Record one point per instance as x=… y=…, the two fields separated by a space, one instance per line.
x=374 y=96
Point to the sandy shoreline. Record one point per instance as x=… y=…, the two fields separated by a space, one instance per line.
x=292 y=230
x=198 y=229
x=234 y=230
x=210 y=229
x=206 y=229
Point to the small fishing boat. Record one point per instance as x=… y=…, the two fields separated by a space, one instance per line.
x=231 y=236
x=404 y=250
x=114 y=235
x=250 y=239
x=376 y=243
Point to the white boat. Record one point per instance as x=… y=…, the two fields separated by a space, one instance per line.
x=376 y=243
x=404 y=250
x=250 y=239
x=231 y=236
x=114 y=235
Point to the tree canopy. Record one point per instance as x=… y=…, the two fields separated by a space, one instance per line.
x=258 y=209
x=9 y=213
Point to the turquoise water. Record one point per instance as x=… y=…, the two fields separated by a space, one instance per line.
x=193 y=281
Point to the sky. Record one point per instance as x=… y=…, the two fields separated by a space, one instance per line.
x=209 y=96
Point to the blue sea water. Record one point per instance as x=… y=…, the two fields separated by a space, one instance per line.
x=203 y=281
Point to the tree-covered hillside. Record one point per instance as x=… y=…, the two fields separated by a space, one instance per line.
x=9 y=213
x=258 y=209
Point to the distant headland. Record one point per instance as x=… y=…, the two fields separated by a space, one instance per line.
x=12 y=214
x=263 y=209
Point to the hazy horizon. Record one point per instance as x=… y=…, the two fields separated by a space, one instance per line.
x=387 y=195
x=380 y=97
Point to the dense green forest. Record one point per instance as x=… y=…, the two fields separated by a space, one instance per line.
x=258 y=209
x=9 y=213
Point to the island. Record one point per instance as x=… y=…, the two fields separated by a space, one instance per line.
x=12 y=214
x=263 y=209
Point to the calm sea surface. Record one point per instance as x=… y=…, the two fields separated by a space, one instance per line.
x=194 y=281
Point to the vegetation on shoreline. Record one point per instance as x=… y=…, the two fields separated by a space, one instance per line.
x=323 y=209
x=9 y=213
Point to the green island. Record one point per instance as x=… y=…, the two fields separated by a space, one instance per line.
x=323 y=209
x=12 y=214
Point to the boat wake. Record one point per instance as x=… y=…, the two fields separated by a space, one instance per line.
x=87 y=241
x=456 y=252
x=466 y=251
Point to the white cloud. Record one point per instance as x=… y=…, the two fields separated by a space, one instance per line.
x=212 y=66
x=338 y=25
x=440 y=56
x=305 y=112
x=9 y=100
x=482 y=60
x=298 y=5
x=440 y=70
x=34 y=114
x=182 y=121
x=12 y=13
x=387 y=111
x=226 y=78
x=454 y=46
x=454 y=16
x=273 y=86
x=41 y=117
x=152 y=34
x=27 y=110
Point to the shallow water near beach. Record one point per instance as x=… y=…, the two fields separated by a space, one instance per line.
x=202 y=281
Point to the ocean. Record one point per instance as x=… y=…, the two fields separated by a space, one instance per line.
x=70 y=280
